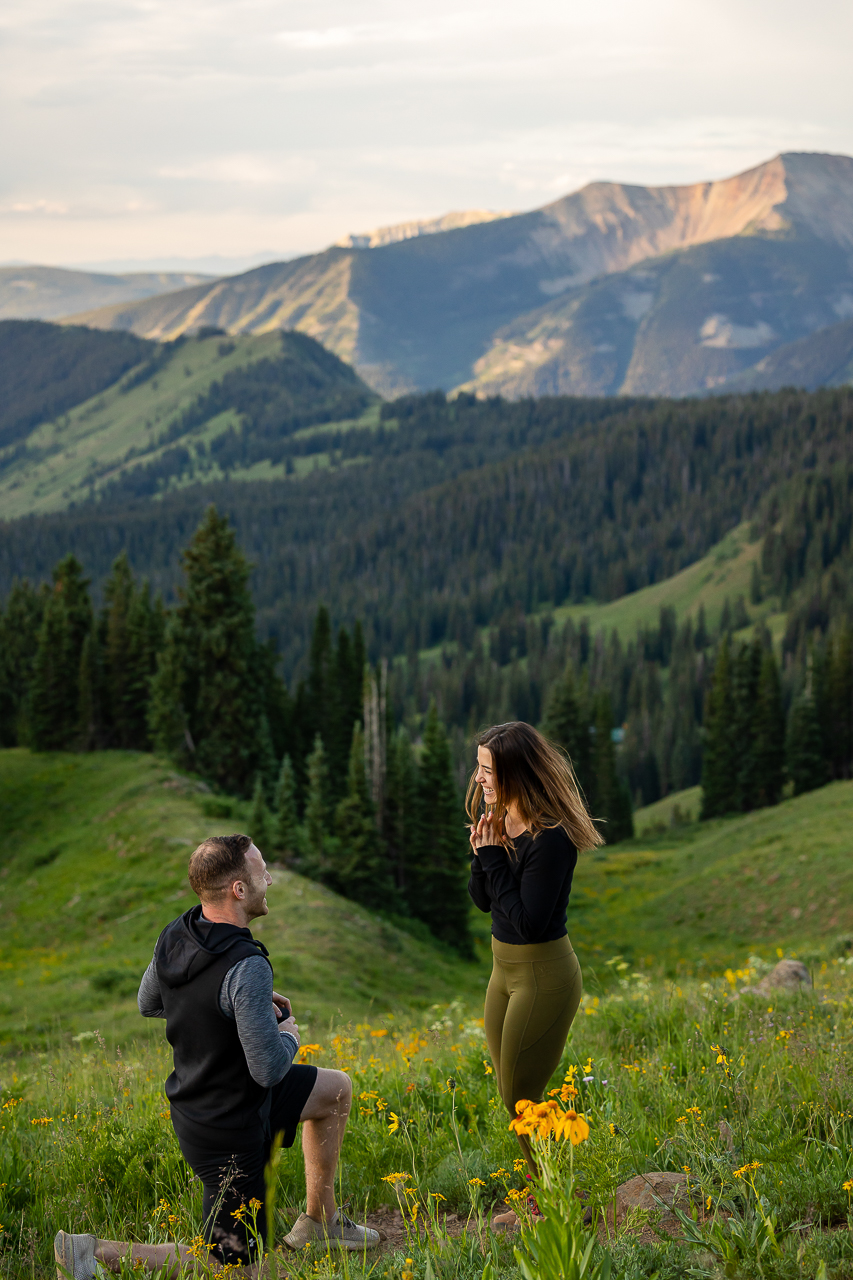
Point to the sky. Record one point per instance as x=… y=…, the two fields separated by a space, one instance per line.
x=173 y=133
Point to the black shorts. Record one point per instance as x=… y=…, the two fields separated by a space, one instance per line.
x=230 y=1166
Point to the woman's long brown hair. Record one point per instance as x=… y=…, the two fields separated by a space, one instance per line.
x=536 y=776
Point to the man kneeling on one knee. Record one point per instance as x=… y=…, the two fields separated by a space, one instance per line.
x=234 y=1085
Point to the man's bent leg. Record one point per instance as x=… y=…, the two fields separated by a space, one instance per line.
x=324 y=1121
x=77 y=1257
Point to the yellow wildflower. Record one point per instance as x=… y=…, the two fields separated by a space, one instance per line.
x=394 y=1122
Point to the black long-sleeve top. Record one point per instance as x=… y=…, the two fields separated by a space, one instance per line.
x=526 y=889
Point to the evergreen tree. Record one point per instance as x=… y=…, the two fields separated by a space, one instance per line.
x=119 y=594
x=90 y=684
x=317 y=810
x=54 y=701
x=321 y=676
x=167 y=716
x=259 y=821
x=286 y=822
x=213 y=665
x=700 y=639
x=769 y=734
x=146 y=625
x=438 y=870
x=746 y=672
x=612 y=800
x=19 y=630
x=567 y=724
x=360 y=870
x=401 y=792
x=840 y=699
x=719 y=758
x=804 y=746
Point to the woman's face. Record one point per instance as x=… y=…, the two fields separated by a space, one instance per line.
x=485 y=774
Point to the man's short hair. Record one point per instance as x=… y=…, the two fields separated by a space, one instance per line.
x=217 y=863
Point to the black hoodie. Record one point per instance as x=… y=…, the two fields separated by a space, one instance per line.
x=211 y=1084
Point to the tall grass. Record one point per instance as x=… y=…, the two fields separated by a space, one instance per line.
x=695 y=1077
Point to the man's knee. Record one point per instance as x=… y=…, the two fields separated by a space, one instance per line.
x=332 y=1094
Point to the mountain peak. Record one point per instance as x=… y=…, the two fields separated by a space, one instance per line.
x=419 y=227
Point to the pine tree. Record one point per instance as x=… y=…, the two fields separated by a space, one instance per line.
x=90 y=685
x=146 y=624
x=746 y=673
x=719 y=756
x=840 y=696
x=54 y=698
x=567 y=724
x=804 y=746
x=259 y=821
x=209 y=673
x=316 y=810
x=286 y=822
x=167 y=716
x=400 y=803
x=119 y=593
x=360 y=870
x=19 y=631
x=612 y=800
x=439 y=866
x=321 y=676
x=769 y=734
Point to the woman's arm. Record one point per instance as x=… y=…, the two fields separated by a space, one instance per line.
x=528 y=902
x=478 y=887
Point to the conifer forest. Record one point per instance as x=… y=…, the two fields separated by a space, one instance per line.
x=329 y=647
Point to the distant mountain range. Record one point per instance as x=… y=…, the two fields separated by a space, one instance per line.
x=615 y=289
x=47 y=293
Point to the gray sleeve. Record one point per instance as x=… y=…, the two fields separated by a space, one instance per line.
x=246 y=996
x=148 y=997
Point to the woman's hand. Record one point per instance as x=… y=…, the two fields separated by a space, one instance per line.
x=486 y=832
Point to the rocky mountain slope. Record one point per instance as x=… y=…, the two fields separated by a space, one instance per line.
x=553 y=299
x=46 y=293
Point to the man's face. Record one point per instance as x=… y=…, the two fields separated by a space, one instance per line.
x=257 y=880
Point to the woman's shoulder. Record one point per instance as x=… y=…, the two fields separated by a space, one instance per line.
x=554 y=841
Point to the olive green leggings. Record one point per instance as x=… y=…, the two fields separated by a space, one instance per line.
x=533 y=996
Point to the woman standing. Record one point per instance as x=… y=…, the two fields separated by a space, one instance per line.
x=525 y=849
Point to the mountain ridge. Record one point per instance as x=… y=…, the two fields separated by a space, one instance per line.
x=422 y=312
x=48 y=293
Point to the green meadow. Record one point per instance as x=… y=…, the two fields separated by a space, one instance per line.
x=675 y=1064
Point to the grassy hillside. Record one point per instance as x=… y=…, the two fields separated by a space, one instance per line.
x=94 y=865
x=46 y=370
x=709 y=894
x=177 y=417
x=723 y=574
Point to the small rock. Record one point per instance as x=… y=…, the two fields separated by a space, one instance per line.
x=787 y=975
x=641 y=1193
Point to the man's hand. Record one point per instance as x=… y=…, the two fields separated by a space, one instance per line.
x=289 y=1025
x=281 y=1002
x=486 y=832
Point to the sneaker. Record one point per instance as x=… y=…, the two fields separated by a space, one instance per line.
x=341 y=1232
x=75 y=1257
